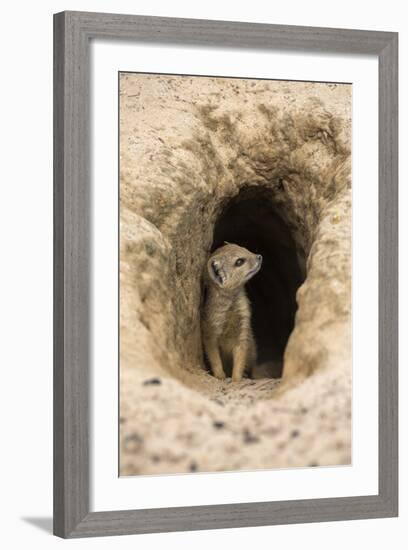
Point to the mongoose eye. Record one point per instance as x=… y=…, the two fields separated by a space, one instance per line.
x=240 y=261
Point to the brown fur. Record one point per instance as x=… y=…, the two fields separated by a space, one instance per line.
x=226 y=319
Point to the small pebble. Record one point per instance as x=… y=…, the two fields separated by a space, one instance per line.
x=133 y=442
x=218 y=424
x=152 y=382
x=295 y=433
x=193 y=467
x=250 y=438
x=218 y=401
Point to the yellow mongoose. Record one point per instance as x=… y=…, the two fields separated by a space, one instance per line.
x=226 y=319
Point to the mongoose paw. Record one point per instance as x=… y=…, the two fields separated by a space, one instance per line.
x=220 y=375
x=236 y=378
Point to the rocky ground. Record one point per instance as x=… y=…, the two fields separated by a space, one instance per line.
x=188 y=146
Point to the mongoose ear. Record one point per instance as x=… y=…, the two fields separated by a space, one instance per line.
x=216 y=272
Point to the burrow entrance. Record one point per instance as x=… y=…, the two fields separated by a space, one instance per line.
x=251 y=220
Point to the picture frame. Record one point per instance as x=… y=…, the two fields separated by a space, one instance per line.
x=73 y=32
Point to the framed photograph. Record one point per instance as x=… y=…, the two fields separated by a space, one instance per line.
x=225 y=286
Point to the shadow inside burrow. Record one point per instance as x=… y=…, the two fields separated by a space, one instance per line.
x=253 y=221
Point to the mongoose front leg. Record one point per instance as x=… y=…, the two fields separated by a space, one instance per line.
x=239 y=361
x=214 y=357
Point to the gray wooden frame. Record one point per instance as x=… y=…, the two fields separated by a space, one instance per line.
x=72 y=34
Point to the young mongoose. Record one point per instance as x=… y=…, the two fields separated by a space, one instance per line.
x=226 y=320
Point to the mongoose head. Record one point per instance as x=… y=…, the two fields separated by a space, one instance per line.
x=231 y=266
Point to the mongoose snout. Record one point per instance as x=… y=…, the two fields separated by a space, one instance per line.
x=226 y=318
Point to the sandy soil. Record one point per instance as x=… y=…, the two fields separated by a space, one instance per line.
x=187 y=145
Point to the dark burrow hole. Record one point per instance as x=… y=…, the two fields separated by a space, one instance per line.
x=251 y=220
